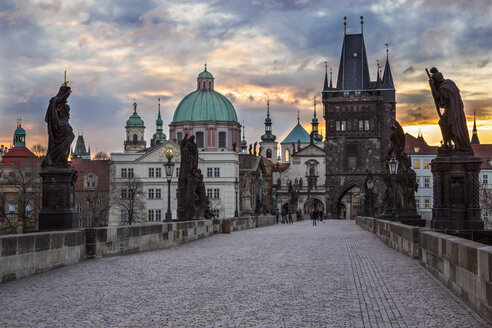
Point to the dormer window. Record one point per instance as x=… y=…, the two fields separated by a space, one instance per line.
x=355 y=54
x=416 y=149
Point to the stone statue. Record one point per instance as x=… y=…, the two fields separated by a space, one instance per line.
x=259 y=151
x=254 y=148
x=193 y=203
x=60 y=133
x=397 y=139
x=250 y=147
x=453 y=121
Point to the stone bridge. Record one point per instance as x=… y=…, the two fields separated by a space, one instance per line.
x=335 y=274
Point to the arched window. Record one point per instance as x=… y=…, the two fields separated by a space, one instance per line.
x=199 y=139
x=203 y=85
x=222 y=139
x=135 y=138
x=287 y=155
x=180 y=136
x=269 y=153
x=210 y=84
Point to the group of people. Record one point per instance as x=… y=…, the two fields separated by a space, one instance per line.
x=286 y=217
x=316 y=215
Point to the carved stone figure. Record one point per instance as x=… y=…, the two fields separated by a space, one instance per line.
x=453 y=121
x=60 y=133
x=254 y=148
x=193 y=202
x=250 y=151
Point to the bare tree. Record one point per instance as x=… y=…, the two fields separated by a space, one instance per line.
x=131 y=199
x=39 y=150
x=102 y=156
x=20 y=201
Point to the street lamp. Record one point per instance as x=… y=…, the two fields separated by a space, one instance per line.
x=169 y=167
x=393 y=168
x=236 y=188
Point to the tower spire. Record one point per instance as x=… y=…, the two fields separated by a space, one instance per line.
x=314 y=104
x=331 y=80
x=345 y=25
x=387 y=76
x=298 y=116
x=325 y=86
x=268 y=107
x=362 y=24
x=474 y=139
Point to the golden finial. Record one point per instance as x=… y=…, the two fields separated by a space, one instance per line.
x=169 y=154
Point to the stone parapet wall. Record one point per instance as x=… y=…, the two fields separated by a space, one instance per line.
x=111 y=241
x=243 y=223
x=462 y=265
x=402 y=237
x=26 y=254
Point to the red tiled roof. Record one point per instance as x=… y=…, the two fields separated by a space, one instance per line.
x=282 y=167
x=18 y=156
x=418 y=146
x=101 y=168
x=484 y=151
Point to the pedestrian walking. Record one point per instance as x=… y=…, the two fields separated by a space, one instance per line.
x=321 y=216
x=290 y=218
x=276 y=216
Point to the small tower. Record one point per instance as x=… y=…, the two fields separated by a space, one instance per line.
x=474 y=139
x=268 y=144
x=158 y=136
x=135 y=130
x=80 y=151
x=244 y=143
x=314 y=123
x=19 y=135
x=205 y=80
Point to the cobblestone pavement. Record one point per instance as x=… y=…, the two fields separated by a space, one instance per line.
x=331 y=275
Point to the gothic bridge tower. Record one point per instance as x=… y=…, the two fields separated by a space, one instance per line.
x=359 y=114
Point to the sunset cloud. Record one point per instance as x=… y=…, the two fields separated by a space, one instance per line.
x=115 y=51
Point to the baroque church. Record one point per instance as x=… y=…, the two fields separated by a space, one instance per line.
x=212 y=119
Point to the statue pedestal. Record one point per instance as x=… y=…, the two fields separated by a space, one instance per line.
x=456 y=191
x=246 y=202
x=58 y=201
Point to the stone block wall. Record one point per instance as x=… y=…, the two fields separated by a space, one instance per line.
x=243 y=223
x=462 y=265
x=402 y=237
x=111 y=241
x=26 y=254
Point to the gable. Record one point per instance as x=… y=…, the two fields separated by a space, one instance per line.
x=158 y=154
x=311 y=150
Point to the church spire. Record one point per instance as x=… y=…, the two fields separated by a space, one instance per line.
x=158 y=135
x=331 y=79
x=474 y=139
x=314 y=123
x=244 y=143
x=325 y=86
x=268 y=136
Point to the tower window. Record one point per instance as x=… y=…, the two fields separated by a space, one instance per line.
x=366 y=125
x=361 y=125
x=269 y=153
x=135 y=138
x=222 y=139
x=199 y=139
x=287 y=155
x=180 y=136
x=210 y=84
x=355 y=54
x=338 y=126
x=351 y=153
x=344 y=126
x=204 y=85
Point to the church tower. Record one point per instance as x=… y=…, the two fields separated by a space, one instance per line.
x=359 y=114
x=19 y=135
x=314 y=123
x=474 y=139
x=268 y=144
x=158 y=136
x=135 y=130
x=244 y=143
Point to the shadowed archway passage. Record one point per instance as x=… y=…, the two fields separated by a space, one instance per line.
x=332 y=275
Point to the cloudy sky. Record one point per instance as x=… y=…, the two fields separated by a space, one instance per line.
x=115 y=51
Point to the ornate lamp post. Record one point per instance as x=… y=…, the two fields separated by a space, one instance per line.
x=236 y=188
x=393 y=168
x=169 y=166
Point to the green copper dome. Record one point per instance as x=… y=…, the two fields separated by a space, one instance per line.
x=298 y=133
x=20 y=131
x=135 y=120
x=205 y=106
x=205 y=74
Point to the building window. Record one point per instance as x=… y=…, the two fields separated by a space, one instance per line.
x=222 y=139
x=158 y=215
x=151 y=193
x=124 y=215
x=209 y=172
x=351 y=153
x=199 y=139
x=124 y=173
x=130 y=173
x=151 y=215
x=361 y=125
x=366 y=125
x=338 y=126
x=210 y=84
x=269 y=153
x=427 y=203
x=180 y=136
x=135 y=139
x=416 y=164
x=158 y=172
x=216 y=193
x=101 y=199
x=216 y=172
x=79 y=207
x=344 y=126
x=417 y=202
x=485 y=179
x=426 y=164
x=151 y=172
x=426 y=182
x=158 y=193
x=209 y=193
x=287 y=155
x=124 y=193
x=418 y=181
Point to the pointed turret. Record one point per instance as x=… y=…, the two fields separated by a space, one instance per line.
x=158 y=136
x=268 y=136
x=244 y=143
x=387 y=76
x=474 y=139
x=314 y=123
x=325 y=86
x=80 y=151
x=378 y=80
